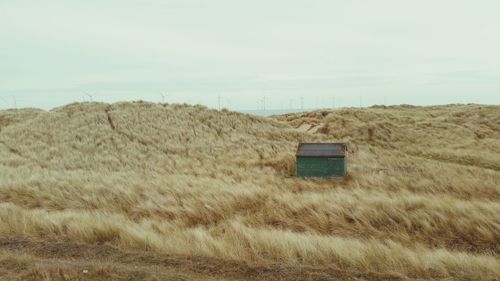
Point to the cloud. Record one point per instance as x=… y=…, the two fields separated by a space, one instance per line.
x=376 y=48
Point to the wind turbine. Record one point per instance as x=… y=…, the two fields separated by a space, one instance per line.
x=4 y=100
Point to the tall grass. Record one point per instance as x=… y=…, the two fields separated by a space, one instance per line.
x=419 y=201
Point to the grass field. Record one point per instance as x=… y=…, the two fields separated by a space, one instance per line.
x=140 y=191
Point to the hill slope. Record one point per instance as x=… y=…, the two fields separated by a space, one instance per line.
x=421 y=200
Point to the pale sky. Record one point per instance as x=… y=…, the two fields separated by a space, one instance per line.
x=342 y=52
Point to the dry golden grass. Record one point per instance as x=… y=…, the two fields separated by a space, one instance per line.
x=421 y=199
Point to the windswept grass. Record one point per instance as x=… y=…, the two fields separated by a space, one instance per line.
x=421 y=199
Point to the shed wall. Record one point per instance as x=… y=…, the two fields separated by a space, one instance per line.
x=321 y=167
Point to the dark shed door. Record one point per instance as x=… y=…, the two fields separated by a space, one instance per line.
x=322 y=167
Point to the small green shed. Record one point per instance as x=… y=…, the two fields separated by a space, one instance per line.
x=321 y=160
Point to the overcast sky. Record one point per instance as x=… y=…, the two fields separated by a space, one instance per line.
x=342 y=52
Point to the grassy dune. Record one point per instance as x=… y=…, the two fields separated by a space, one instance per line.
x=422 y=199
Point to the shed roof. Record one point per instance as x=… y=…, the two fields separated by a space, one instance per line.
x=322 y=150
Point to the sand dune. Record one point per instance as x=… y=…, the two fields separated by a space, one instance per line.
x=422 y=199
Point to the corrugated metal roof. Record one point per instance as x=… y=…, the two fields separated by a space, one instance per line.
x=322 y=150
